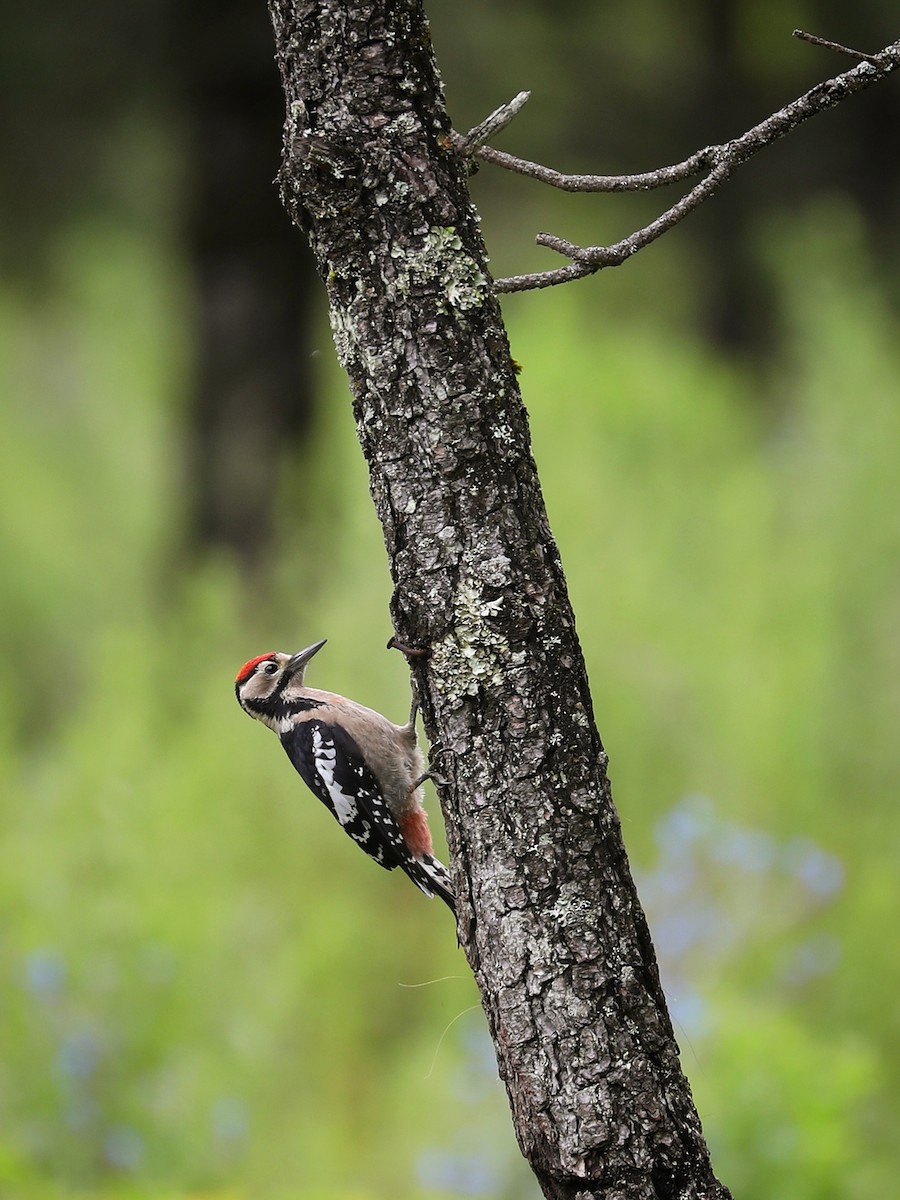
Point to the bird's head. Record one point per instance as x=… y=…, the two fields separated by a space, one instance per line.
x=268 y=685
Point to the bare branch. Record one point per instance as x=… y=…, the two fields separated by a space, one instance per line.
x=819 y=41
x=586 y=260
x=470 y=144
x=718 y=161
x=644 y=182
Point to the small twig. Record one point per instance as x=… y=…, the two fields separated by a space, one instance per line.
x=824 y=42
x=469 y=144
x=587 y=260
x=619 y=252
x=717 y=161
x=601 y=183
x=408 y=651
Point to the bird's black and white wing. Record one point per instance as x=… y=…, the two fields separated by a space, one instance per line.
x=334 y=770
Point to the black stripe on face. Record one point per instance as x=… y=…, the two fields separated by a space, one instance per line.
x=282 y=684
x=274 y=706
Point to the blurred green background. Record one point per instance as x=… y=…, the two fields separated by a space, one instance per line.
x=205 y=991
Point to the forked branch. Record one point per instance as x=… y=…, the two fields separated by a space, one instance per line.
x=715 y=163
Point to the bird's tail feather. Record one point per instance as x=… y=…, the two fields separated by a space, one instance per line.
x=433 y=878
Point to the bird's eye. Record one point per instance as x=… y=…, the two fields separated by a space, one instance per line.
x=270 y=668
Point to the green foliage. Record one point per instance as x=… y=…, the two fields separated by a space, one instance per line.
x=207 y=993
x=765 y=1061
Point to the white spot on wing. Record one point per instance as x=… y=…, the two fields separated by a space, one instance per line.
x=326 y=757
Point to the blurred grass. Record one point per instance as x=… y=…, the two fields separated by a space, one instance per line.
x=205 y=992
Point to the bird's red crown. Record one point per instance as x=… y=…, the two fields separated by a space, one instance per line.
x=248 y=668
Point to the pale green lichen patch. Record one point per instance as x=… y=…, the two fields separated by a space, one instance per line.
x=340 y=331
x=440 y=265
x=403 y=125
x=474 y=652
x=440 y=259
x=347 y=328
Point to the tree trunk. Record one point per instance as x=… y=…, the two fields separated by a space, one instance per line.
x=549 y=917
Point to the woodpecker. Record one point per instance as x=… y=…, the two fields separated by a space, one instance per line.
x=367 y=771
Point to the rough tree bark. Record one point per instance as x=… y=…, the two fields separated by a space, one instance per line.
x=549 y=917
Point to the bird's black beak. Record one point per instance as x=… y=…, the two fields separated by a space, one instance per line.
x=299 y=660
